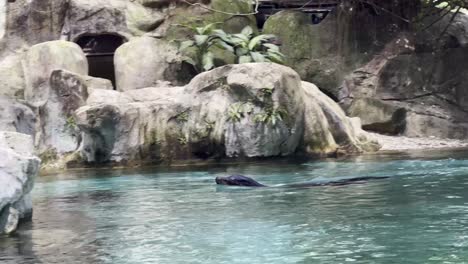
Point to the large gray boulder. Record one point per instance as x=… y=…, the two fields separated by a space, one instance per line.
x=257 y=109
x=346 y=132
x=235 y=111
x=18 y=169
x=59 y=136
x=68 y=92
x=42 y=59
x=144 y=62
x=141 y=19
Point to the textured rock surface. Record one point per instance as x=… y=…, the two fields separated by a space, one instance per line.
x=42 y=59
x=141 y=19
x=312 y=50
x=12 y=81
x=35 y=21
x=9 y=219
x=145 y=61
x=16 y=117
x=248 y=110
x=380 y=116
x=95 y=17
x=18 y=169
x=68 y=92
x=59 y=136
x=347 y=132
x=414 y=88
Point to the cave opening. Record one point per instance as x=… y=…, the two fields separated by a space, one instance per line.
x=99 y=50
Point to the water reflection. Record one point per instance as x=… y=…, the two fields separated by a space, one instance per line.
x=420 y=215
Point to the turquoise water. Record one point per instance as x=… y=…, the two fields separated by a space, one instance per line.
x=419 y=215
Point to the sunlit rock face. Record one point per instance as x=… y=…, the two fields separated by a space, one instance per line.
x=248 y=110
x=18 y=169
x=144 y=62
x=42 y=59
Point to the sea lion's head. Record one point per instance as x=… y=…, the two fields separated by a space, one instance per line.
x=238 y=180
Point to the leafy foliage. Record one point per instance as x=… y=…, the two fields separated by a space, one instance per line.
x=209 y=125
x=203 y=39
x=235 y=112
x=271 y=115
x=246 y=46
x=182 y=140
x=70 y=123
x=251 y=48
x=182 y=117
x=71 y=126
x=267 y=92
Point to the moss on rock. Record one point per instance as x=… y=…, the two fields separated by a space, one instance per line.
x=233 y=23
x=310 y=49
x=199 y=16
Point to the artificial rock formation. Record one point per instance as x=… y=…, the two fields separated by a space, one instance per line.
x=12 y=78
x=68 y=92
x=380 y=75
x=16 y=117
x=42 y=59
x=18 y=169
x=416 y=86
x=145 y=61
x=312 y=50
x=248 y=110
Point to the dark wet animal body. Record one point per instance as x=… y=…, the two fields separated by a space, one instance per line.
x=241 y=180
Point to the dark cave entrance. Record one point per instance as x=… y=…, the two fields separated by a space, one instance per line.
x=99 y=50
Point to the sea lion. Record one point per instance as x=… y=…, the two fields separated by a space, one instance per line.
x=241 y=180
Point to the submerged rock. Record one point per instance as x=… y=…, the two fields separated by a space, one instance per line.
x=18 y=169
x=9 y=219
x=247 y=110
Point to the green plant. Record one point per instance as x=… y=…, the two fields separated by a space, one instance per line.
x=48 y=156
x=267 y=92
x=246 y=46
x=182 y=117
x=235 y=112
x=209 y=125
x=182 y=140
x=249 y=47
x=204 y=38
x=271 y=115
x=238 y=110
x=70 y=123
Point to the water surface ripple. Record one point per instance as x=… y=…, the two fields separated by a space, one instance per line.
x=419 y=215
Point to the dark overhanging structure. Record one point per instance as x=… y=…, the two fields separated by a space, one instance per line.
x=99 y=50
x=318 y=9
